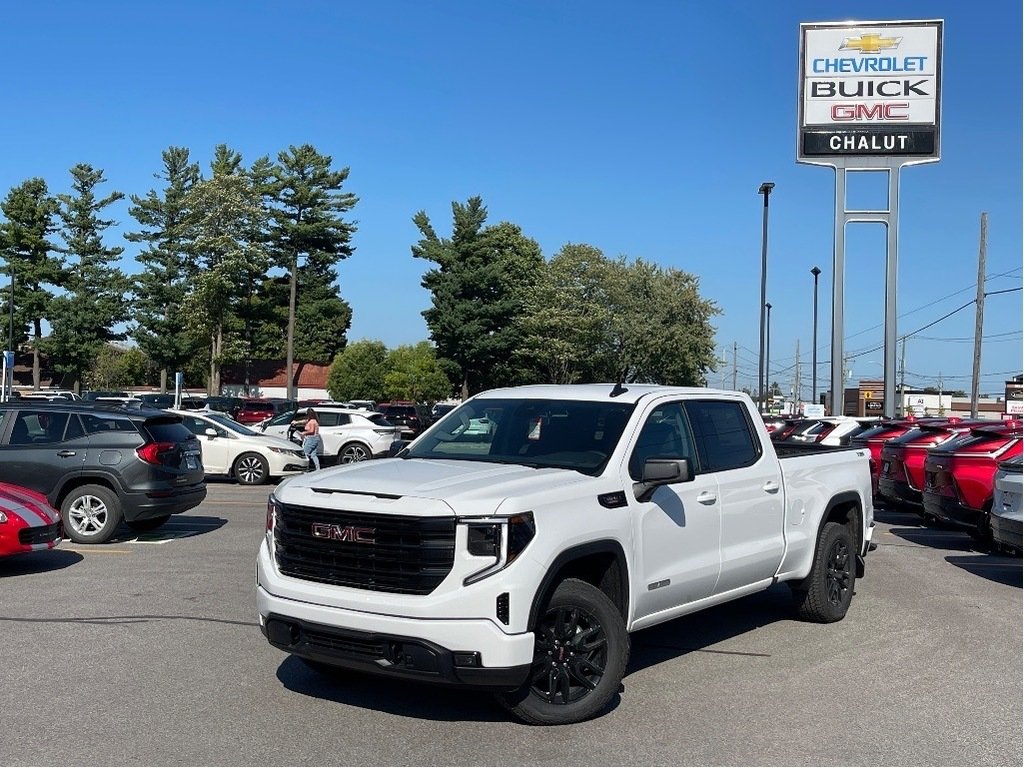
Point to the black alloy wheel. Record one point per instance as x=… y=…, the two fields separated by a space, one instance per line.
x=570 y=655
x=839 y=576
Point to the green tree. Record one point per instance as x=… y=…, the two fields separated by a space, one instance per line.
x=24 y=239
x=413 y=373
x=478 y=293
x=567 y=318
x=307 y=206
x=166 y=270
x=592 y=319
x=116 y=368
x=95 y=302
x=226 y=226
x=661 y=328
x=358 y=372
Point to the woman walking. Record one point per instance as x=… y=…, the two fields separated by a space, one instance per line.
x=311 y=440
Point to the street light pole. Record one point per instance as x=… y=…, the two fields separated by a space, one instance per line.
x=767 y=346
x=814 y=343
x=762 y=370
x=9 y=388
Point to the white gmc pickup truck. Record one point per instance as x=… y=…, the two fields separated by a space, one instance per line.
x=515 y=544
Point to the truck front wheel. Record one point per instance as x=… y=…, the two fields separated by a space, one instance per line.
x=580 y=656
x=825 y=595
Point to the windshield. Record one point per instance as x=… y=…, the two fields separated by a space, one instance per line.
x=563 y=434
x=230 y=424
x=281 y=418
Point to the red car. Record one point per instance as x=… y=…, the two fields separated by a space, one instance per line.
x=255 y=411
x=901 y=476
x=27 y=521
x=959 y=475
x=874 y=438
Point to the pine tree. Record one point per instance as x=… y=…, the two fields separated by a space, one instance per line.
x=27 y=251
x=307 y=205
x=161 y=286
x=95 y=301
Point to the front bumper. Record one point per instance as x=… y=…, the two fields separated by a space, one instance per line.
x=410 y=658
x=1007 y=531
x=950 y=510
x=894 y=490
x=373 y=636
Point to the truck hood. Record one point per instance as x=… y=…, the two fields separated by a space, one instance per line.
x=464 y=487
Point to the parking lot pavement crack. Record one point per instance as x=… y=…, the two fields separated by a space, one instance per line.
x=123 y=620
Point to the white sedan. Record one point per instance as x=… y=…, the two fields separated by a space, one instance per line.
x=234 y=450
x=349 y=434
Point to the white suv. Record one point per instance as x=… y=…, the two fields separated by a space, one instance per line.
x=347 y=433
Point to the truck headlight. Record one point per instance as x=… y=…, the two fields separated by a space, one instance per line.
x=503 y=538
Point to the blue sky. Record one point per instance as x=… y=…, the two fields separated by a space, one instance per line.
x=643 y=129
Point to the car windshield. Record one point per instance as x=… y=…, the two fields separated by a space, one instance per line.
x=563 y=434
x=282 y=418
x=229 y=424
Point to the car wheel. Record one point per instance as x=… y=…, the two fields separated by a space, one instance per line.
x=149 y=524
x=580 y=652
x=251 y=469
x=825 y=595
x=353 y=452
x=90 y=514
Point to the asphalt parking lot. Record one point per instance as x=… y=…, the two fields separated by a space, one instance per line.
x=147 y=652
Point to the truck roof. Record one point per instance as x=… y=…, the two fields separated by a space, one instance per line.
x=630 y=393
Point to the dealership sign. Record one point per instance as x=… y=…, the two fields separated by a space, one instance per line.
x=869 y=89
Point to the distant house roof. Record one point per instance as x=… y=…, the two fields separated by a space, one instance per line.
x=272 y=373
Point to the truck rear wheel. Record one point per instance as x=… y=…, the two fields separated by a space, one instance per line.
x=580 y=654
x=825 y=595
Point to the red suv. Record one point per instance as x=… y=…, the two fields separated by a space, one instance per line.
x=959 y=475
x=875 y=437
x=901 y=476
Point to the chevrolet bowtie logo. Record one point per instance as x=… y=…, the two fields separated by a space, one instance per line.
x=869 y=43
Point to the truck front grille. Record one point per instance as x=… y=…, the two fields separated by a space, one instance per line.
x=383 y=553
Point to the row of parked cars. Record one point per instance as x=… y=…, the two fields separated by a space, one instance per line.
x=961 y=472
x=77 y=468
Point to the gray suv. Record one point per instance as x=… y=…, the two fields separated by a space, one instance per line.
x=101 y=465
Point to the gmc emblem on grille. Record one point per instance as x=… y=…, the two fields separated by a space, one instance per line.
x=344 y=533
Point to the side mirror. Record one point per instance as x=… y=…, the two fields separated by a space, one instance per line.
x=210 y=432
x=658 y=472
x=397 y=447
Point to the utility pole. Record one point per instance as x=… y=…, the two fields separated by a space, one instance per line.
x=979 y=318
x=903 y=379
x=796 y=384
x=734 y=366
x=942 y=411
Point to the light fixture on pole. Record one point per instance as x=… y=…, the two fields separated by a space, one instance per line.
x=814 y=342
x=762 y=370
x=767 y=349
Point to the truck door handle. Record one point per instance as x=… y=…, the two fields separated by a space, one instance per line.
x=707 y=497
x=65 y=453
x=770 y=487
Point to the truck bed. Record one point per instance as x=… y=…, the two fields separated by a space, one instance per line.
x=789 y=450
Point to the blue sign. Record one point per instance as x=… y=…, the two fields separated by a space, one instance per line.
x=8 y=358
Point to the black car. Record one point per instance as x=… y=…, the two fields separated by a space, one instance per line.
x=411 y=417
x=225 y=404
x=100 y=464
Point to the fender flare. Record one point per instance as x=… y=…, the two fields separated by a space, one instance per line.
x=600 y=547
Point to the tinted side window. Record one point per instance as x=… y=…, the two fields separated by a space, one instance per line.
x=664 y=436
x=723 y=435
x=38 y=427
x=74 y=430
x=95 y=423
